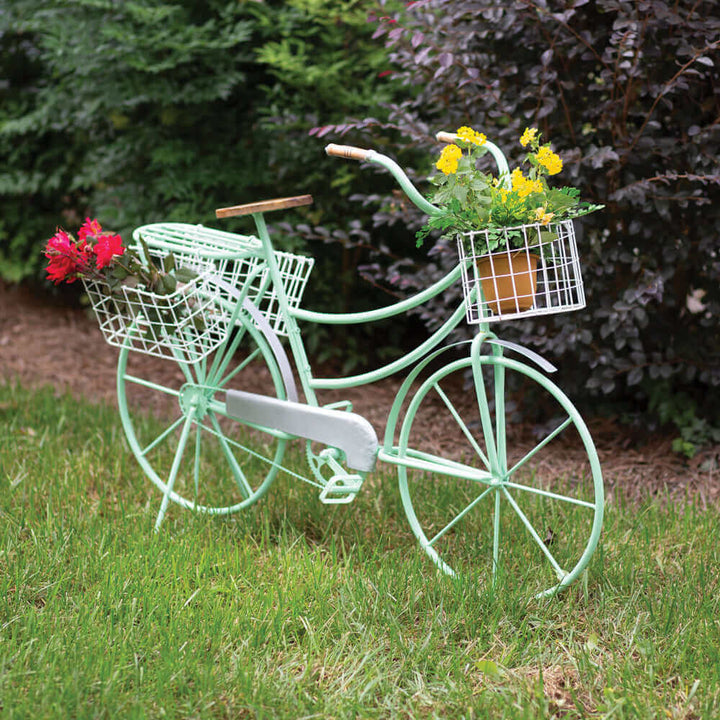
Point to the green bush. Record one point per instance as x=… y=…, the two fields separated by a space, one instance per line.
x=155 y=110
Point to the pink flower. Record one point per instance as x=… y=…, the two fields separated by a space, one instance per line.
x=106 y=248
x=90 y=228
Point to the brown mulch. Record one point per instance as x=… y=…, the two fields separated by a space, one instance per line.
x=48 y=342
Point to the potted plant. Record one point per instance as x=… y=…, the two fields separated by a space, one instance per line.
x=506 y=223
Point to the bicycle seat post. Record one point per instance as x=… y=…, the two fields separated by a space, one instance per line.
x=257 y=211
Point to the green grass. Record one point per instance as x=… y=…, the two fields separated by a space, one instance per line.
x=293 y=609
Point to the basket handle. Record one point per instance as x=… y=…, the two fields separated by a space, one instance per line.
x=347 y=151
x=264 y=206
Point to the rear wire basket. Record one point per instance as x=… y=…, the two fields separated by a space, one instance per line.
x=497 y=286
x=186 y=325
x=192 y=322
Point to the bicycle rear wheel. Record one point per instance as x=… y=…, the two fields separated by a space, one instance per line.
x=175 y=421
x=494 y=498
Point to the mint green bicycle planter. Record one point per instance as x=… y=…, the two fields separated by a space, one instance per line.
x=236 y=387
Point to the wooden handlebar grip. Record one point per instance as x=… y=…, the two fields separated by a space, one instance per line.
x=346 y=151
x=447 y=137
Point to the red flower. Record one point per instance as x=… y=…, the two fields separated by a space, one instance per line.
x=106 y=248
x=60 y=242
x=66 y=258
x=59 y=269
x=90 y=228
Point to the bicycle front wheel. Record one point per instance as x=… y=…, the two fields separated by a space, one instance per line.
x=175 y=421
x=490 y=491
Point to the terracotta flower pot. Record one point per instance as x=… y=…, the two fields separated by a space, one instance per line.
x=509 y=281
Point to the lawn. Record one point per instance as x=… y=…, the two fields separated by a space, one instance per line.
x=294 y=610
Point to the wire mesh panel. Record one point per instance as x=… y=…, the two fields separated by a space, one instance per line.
x=188 y=241
x=536 y=272
x=185 y=325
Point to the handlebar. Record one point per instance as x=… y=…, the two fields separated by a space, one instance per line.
x=447 y=137
x=347 y=151
x=355 y=153
x=350 y=152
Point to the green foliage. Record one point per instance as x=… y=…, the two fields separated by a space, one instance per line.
x=679 y=409
x=122 y=117
x=319 y=54
x=154 y=110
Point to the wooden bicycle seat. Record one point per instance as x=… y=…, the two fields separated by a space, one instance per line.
x=264 y=206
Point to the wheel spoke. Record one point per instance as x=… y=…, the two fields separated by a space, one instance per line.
x=151 y=385
x=226 y=354
x=538 y=540
x=184 y=367
x=496 y=536
x=459 y=516
x=485 y=418
x=162 y=436
x=239 y=368
x=175 y=467
x=238 y=474
x=541 y=445
x=465 y=430
x=196 y=468
x=264 y=458
x=500 y=428
x=427 y=462
x=551 y=495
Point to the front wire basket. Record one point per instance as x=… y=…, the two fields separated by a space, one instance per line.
x=536 y=273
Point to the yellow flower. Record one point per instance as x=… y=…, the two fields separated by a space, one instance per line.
x=528 y=136
x=469 y=135
x=524 y=186
x=517 y=178
x=448 y=161
x=549 y=160
x=543 y=217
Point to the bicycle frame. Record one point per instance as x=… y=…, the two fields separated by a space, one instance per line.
x=244 y=279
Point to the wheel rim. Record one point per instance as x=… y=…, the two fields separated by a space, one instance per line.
x=490 y=505
x=189 y=448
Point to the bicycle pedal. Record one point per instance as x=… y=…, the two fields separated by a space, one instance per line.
x=341 y=489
